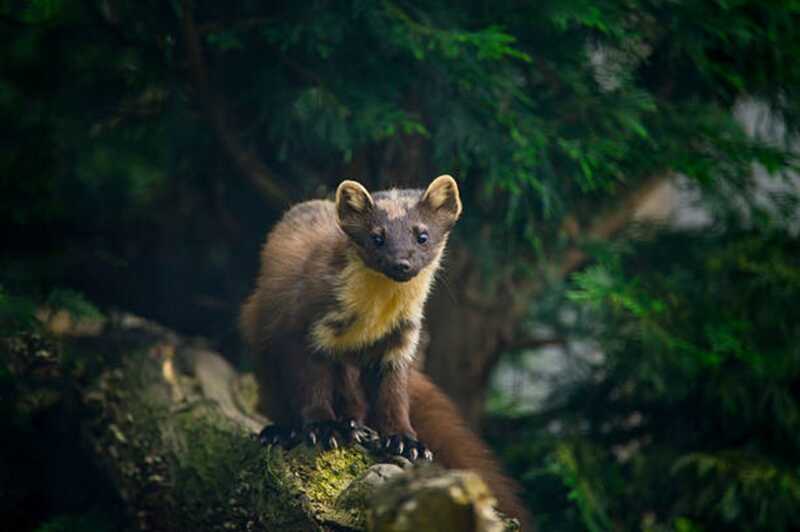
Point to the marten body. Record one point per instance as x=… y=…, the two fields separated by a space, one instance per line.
x=335 y=320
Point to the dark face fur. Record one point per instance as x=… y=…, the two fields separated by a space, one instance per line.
x=398 y=232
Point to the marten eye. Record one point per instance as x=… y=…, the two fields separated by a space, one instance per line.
x=378 y=240
x=422 y=237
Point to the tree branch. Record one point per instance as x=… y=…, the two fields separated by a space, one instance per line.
x=170 y=423
x=610 y=222
x=253 y=169
x=495 y=317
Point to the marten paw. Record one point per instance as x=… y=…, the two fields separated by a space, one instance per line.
x=404 y=445
x=329 y=434
x=355 y=432
x=279 y=435
x=321 y=432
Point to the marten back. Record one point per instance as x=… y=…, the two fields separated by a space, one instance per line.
x=299 y=262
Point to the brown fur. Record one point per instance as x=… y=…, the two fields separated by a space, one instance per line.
x=333 y=324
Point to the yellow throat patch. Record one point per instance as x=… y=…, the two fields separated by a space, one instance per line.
x=372 y=305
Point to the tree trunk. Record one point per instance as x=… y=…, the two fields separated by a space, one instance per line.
x=472 y=320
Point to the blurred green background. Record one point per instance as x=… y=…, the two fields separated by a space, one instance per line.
x=619 y=308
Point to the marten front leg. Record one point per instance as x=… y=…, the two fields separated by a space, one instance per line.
x=306 y=383
x=387 y=386
x=351 y=405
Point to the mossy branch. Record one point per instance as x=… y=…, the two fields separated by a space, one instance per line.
x=172 y=424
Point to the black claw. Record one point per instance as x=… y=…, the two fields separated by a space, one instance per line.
x=330 y=434
x=406 y=446
x=354 y=432
x=277 y=435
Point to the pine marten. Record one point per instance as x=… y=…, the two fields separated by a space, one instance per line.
x=334 y=324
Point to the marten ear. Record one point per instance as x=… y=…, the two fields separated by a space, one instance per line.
x=442 y=199
x=352 y=202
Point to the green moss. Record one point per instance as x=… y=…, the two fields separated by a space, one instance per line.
x=207 y=471
x=207 y=455
x=315 y=479
x=326 y=475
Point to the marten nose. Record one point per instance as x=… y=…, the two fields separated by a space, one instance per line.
x=402 y=266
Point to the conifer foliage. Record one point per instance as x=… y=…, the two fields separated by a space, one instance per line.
x=689 y=420
x=148 y=144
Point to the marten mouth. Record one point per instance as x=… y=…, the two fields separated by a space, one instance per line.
x=400 y=277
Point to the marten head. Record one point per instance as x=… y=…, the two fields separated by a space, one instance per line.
x=398 y=232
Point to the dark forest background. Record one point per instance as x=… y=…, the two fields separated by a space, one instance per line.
x=147 y=146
